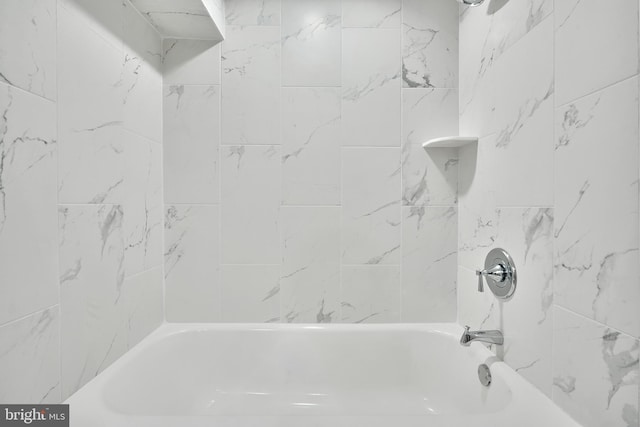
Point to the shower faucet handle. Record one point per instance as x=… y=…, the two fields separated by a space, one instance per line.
x=498 y=273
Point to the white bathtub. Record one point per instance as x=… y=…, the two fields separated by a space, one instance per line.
x=297 y=376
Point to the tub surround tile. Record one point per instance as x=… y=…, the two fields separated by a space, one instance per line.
x=28 y=204
x=310 y=283
x=478 y=310
x=90 y=115
x=189 y=19
x=428 y=113
x=311 y=146
x=191 y=62
x=526 y=319
x=371 y=95
x=370 y=294
x=311 y=43
x=428 y=178
x=143 y=209
x=143 y=296
x=428 y=270
x=141 y=79
x=522 y=118
x=191 y=144
x=487 y=32
x=590 y=35
x=515 y=95
x=597 y=207
x=192 y=287
x=253 y=12
x=477 y=203
x=30 y=359
x=370 y=206
x=250 y=293
x=28 y=46
x=251 y=198
x=91 y=257
x=429 y=43
x=527 y=234
x=102 y=18
x=595 y=371
x=372 y=13
x=251 y=85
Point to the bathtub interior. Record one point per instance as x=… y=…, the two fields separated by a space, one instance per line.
x=303 y=371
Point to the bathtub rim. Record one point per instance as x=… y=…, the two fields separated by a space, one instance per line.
x=523 y=393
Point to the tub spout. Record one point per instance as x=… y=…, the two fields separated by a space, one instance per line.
x=491 y=337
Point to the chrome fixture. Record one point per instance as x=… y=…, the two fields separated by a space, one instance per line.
x=490 y=337
x=484 y=374
x=500 y=274
x=472 y=3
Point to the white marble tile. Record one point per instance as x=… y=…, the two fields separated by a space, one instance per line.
x=142 y=76
x=216 y=9
x=191 y=143
x=486 y=33
x=372 y=13
x=477 y=212
x=596 y=174
x=28 y=199
x=428 y=177
x=429 y=264
x=191 y=62
x=103 y=18
x=311 y=43
x=28 y=45
x=251 y=72
x=478 y=310
x=143 y=298
x=187 y=19
x=371 y=206
x=371 y=93
x=143 y=209
x=371 y=294
x=429 y=43
x=591 y=35
x=250 y=293
x=30 y=359
x=91 y=258
x=595 y=372
x=251 y=196
x=310 y=284
x=522 y=116
x=311 y=146
x=90 y=115
x=525 y=319
x=191 y=270
x=252 y=12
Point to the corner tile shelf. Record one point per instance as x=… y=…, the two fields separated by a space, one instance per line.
x=450 y=142
x=185 y=19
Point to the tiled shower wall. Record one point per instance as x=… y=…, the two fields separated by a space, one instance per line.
x=552 y=92
x=296 y=189
x=80 y=191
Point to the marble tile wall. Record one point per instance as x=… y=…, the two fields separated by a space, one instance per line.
x=305 y=194
x=80 y=192
x=551 y=89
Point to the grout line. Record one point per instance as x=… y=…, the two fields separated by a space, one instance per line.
x=20 y=89
x=58 y=237
x=596 y=322
x=596 y=91
x=30 y=314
